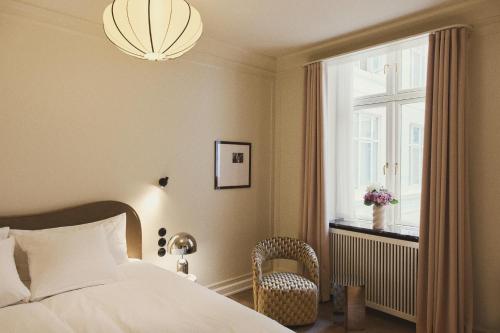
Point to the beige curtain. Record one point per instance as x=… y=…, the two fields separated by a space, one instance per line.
x=314 y=229
x=444 y=294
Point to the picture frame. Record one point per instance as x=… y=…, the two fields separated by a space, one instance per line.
x=233 y=165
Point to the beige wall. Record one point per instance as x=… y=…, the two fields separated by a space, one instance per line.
x=484 y=134
x=80 y=122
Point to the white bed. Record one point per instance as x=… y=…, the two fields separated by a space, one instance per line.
x=141 y=297
x=146 y=298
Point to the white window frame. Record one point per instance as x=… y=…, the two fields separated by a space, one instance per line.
x=393 y=100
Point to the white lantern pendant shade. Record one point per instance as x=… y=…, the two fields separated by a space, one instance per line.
x=152 y=29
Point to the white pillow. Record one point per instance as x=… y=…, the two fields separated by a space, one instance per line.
x=12 y=290
x=114 y=228
x=60 y=261
x=4 y=233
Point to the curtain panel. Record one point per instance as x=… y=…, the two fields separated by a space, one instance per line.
x=444 y=293
x=315 y=228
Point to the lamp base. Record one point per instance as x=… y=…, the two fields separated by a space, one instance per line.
x=182 y=266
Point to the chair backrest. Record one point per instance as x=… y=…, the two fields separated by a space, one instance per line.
x=287 y=248
x=283 y=248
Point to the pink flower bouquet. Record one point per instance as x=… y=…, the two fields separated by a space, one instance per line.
x=379 y=196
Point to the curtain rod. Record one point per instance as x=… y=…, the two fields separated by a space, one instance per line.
x=395 y=40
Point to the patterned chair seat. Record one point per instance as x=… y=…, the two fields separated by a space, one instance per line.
x=286 y=281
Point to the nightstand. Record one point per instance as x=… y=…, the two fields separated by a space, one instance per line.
x=190 y=277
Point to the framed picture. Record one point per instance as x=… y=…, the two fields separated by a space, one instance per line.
x=233 y=164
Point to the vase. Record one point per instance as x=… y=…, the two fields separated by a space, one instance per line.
x=378 y=217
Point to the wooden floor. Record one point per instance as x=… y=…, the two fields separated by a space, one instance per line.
x=376 y=322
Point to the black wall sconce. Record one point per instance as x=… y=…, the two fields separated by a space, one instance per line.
x=163 y=182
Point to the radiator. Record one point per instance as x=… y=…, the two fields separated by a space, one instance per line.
x=386 y=266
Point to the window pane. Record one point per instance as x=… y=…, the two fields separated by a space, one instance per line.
x=365 y=158
x=369 y=76
x=365 y=126
x=415 y=170
x=414 y=67
x=415 y=134
x=369 y=156
x=412 y=132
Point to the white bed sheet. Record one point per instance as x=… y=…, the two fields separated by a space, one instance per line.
x=145 y=299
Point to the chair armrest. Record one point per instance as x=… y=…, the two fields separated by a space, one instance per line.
x=311 y=264
x=257 y=261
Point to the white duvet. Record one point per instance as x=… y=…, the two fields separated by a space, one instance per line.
x=145 y=299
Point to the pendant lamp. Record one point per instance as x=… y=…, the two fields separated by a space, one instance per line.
x=152 y=29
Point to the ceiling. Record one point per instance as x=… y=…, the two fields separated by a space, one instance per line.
x=271 y=27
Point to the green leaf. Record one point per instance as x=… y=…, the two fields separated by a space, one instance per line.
x=368 y=203
x=394 y=201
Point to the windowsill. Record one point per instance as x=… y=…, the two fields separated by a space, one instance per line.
x=393 y=231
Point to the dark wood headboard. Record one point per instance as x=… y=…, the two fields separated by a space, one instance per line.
x=80 y=215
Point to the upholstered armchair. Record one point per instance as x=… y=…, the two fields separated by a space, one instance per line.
x=289 y=298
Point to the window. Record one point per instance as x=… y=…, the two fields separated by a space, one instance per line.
x=415 y=154
x=376 y=102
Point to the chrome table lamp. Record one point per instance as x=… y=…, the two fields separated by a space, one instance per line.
x=181 y=244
